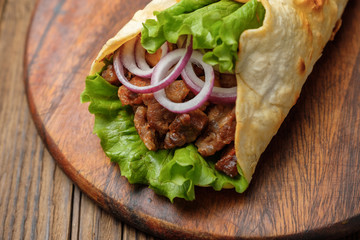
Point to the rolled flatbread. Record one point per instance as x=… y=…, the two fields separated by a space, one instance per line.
x=273 y=63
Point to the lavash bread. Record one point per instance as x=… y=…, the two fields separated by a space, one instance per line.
x=274 y=62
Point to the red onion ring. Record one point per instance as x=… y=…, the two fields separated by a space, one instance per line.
x=160 y=69
x=218 y=94
x=167 y=62
x=129 y=62
x=140 y=56
x=198 y=100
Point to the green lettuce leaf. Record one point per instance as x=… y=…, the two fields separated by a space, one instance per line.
x=172 y=173
x=216 y=26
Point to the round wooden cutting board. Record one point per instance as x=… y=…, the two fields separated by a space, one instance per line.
x=307 y=183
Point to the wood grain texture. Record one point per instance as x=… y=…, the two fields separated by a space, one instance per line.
x=310 y=186
x=34 y=192
x=37 y=200
x=303 y=189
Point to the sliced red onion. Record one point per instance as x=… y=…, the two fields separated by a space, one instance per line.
x=198 y=100
x=140 y=55
x=181 y=56
x=218 y=94
x=128 y=59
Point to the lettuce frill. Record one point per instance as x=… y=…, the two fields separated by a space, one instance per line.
x=172 y=173
x=216 y=27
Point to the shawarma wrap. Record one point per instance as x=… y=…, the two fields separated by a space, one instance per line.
x=271 y=65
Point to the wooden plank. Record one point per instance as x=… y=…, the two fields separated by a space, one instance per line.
x=130 y=233
x=89 y=220
x=61 y=205
x=2 y=10
x=95 y=223
x=297 y=191
x=108 y=227
x=34 y=202
x=75 y=218
x=33 y=158
x=43 y=229
x=15 y=120
x=54 y=204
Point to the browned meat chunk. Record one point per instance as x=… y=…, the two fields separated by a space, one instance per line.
x=158 y=116
x=227 y=163
x=153 y=59
x=128 y=97
x=148 y=98
x=221 y=79
x=177 y=91
x=199 y=71
x=227 y=80
x=110 y=76
x=216 y=80
x=185 y=129
x=220 y=130
x=146 y=132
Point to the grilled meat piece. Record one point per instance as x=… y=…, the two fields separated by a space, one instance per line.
x=177 y=91
x=153 y=59
x=158 y=117
x=228 y=80
x=128 y=97
x=228 y=162
x=146 y=132
x=185 y=129
x=110 y=76
x=220 y=130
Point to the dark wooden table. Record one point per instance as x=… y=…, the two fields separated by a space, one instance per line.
x=37 y=200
